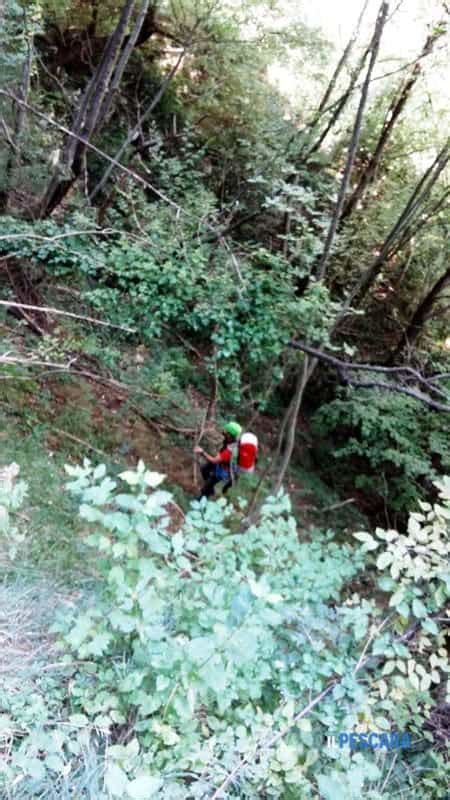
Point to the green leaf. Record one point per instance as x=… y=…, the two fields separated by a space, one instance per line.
x=4 y=519
x=384 y=560
x=144 y=787
x=430 y=626
x=100 y=644
x=287 y=755
x=425 y=683
x=35 y=768
x=383 y=723
x=414 y=680
x=419 y=610
x=178 y=543
x=116 y=780
x=369 y=543
x=397 y=597
x=130 y=477
x=331 y=788
x=403 y=609
x=386 y=583
x=153 y=479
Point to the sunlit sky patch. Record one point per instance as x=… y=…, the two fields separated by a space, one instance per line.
x=410 y=22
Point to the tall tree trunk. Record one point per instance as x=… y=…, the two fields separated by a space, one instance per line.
x=393 y=114
x=421 y=315
x=310 y=365
x=426 y=215
x=14 y=156
x=133 y=133
x=412 y=210
x=291 y=419
x=339 y=106
x=339 y=67
x=127 y=49
x=354 y=141
x=91 y=115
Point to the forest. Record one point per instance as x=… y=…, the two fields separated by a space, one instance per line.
x=224 y=218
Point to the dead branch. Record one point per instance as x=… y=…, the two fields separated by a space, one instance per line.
x=266 y=744
x=395 y=387
x=81 y=442
x=57 y=311
x=83 y=140
x=334 y=506
x=410 y=213
x=8 y=237
x=340 y=65
x=343 y=368
x=392 y=115
x=8 y=136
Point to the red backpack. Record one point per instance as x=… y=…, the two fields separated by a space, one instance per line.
x=247 y=452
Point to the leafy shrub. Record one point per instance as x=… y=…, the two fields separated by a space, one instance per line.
x=384 y=444
x=200 y=648
x=12 y=494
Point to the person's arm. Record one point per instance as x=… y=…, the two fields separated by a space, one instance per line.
x=212 y=459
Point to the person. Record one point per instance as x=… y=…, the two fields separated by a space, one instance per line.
x=219 y=467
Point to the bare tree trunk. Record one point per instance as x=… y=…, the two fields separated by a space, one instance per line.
x=92 y=27
x=19 y=123
x=393 y=114
x=426 y=215
x=309 y=366
x=421 y=315
x=291 y=419
x=340 y=104
x=339 y=67
x=160 y=93
x=353 y=146
x=90 y=116
x=411 y=211
x=124 y=58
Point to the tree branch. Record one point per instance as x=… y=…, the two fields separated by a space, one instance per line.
x=339 y=67
x=344 y=367
x=57 y=311
x=131 y=173
x=409 y=215
x=7 y=237
x=395 y=387
x=265 y=745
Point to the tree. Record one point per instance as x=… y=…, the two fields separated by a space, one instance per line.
x=421 y=315
x=353 y=146
x=403 y=228
x=95 y=103
x=393 y=114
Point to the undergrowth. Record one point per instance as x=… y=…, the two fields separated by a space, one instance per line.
x=194 y=648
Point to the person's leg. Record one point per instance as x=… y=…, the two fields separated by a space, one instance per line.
x=210 y=479
x=230 y=482
x=207 y=470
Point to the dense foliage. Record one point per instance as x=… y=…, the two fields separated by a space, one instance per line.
x=209 y=211
x=202 y=645
x=388 y=450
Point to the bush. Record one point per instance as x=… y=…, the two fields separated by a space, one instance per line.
x=204 y=651
x=385 y=445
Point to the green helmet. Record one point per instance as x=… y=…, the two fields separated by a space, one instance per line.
x=233 y=429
